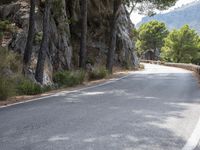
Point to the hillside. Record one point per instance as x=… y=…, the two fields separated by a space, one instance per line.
x=65 y=24
x=187 y=14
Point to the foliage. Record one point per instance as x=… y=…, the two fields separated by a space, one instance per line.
x=69 y=78
x=181 y=46
x=28 y=87
x=148 y=7
x=9 y=61
x=6 y=26
x=57 y=7
x=38 y=37
x=7 y=88
x=134 y=34
x=151 y=36
x=98 y=73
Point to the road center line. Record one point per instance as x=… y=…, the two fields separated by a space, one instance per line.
x=194 y=138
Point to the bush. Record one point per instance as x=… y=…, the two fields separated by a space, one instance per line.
x=98 y=73
x=9 y=60
x=7 y=88
x=38 y=37
x=28 y=87
x=6 y=26
x=68 y=79
x=141 y=66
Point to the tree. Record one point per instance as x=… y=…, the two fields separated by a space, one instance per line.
x=44 y=44
x=83 y=42
x=113 y=34
x=151 y=37
x=30 y=38
x=148 y=7
x=181 y=46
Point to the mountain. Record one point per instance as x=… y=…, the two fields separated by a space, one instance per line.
x=187 y=14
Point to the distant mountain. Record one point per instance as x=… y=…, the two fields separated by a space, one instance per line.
x=187 y=14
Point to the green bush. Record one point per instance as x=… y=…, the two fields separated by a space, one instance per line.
x=98 y=73
x=38 y=37
x=69 y=78
x=28 y=87
x=5 y=25
x=7 y=88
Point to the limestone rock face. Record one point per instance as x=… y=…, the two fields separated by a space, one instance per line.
x=99 y=17
x=65 y=33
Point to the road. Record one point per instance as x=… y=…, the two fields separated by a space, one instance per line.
x=154 y=109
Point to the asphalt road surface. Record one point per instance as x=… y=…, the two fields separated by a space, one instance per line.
x=154 y=109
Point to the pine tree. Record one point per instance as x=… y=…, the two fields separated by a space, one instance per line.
x=83 y=42
x=30 y=38
x=44 y=45
x=112 y=47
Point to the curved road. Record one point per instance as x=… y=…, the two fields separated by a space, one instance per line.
x=154 y=109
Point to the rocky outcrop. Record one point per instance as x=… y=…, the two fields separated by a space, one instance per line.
x=65 y=33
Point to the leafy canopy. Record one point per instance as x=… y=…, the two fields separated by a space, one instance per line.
x=148 y=7
x=182 y=46
x=151 y=36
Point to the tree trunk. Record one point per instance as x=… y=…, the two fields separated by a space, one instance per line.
x=30 y=38
x=83 y=42
x=113 y=33
x=44 y=45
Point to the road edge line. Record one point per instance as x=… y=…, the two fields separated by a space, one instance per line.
x=68 y=92
x=194 y=139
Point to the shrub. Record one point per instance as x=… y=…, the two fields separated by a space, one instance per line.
x=68 y=79
x=98 y=73
x=7 y=88
x=38 y=37
x=28 y=87
x=6 y=26
x=9 y=60
x=141 y=66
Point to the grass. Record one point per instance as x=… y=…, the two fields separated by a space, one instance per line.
x=97 y=73
x=7 y=88
x=69 y=78
x=28 y=87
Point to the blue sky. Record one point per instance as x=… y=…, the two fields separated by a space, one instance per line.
x=136 y=18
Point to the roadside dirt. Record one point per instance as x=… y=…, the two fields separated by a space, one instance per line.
x=117 y=74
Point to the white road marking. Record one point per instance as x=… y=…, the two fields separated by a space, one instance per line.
x=89 y=140
x=58 y=138
x=68 y=92
x=194 y=139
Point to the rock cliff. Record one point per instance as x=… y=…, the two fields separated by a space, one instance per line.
x=65 y=33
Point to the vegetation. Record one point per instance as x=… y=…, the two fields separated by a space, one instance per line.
x=182 y=46
x=69 y=78
x=148 y=7
x=28 y=87
x=98 y=73
x=7 y=88
x=151 y=37
x=11 y=65
x=12 y=81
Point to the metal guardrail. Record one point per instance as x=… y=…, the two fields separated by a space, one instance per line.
x=191 y=67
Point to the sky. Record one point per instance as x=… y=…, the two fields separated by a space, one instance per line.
x=136 y=18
